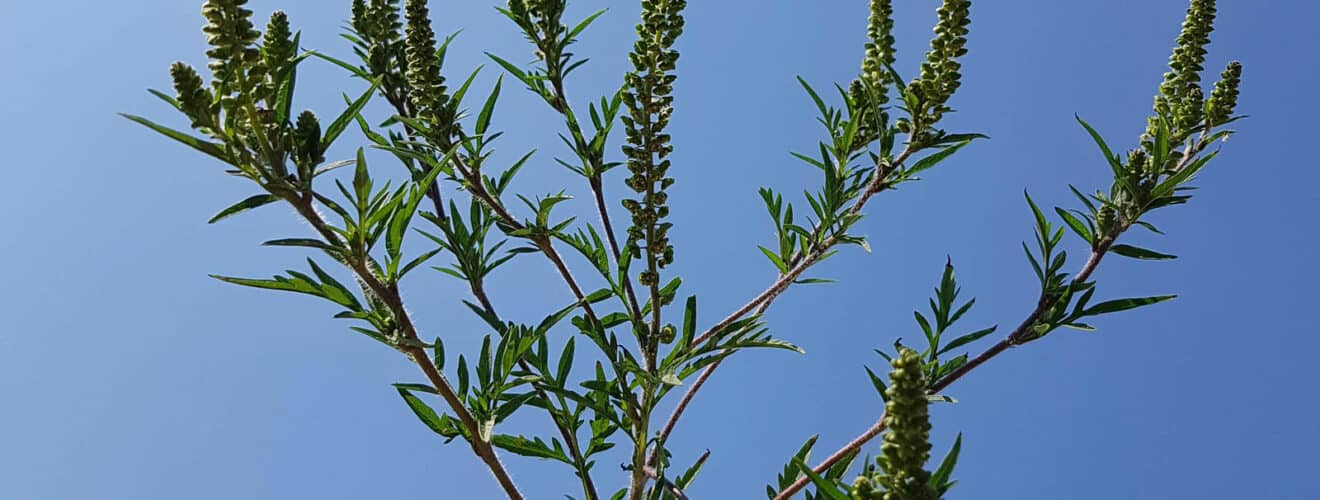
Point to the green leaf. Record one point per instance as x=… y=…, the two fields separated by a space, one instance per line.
x=243 y=206
x=301 y=242
x=824 y=487
x=287 y=81
x=1077 y=226
x=356 y=71
x=279 y=283
x=442 y=425
x=934 y=159
x=508 y=66
x=967 y=339
x=519 y=445
x=1104 y=148
x=774 y=259
x=1140 y=253
x=483 y=119
x=1113 y=306
x=212 y=149
x=820 y=104
x=333 y=289
x=940 y=479
x=337 y=127
x=879 y=385
x=573 y=33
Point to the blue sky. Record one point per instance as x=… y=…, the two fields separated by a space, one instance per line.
x=126 y=373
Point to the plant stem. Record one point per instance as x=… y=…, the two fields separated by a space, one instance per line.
x=389 y=294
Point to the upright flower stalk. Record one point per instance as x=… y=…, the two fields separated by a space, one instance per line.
x=428 y=93
x=941 y=74
x=649 y=100
x=870 y=91
x=1180 y=100
x=906 y=447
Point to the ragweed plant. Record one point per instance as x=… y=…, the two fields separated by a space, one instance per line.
x=641 y=342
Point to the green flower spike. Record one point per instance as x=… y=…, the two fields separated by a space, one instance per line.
x=870 y=91
x=1179 y=98
x=230 y=33
x=1224 y=97
x=880 y=53
x=941 y=74
x=194 y=98
x=378 y=26
x=429 y=95
x=906 y=446
x=277 y=45
x=307 y=138
x=649 y=99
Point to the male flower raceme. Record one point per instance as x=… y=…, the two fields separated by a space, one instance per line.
x=430 y=97
x=906 y=447
x=941 y=74
x=1180 y=99
x=1223 y=99
x=649 y=99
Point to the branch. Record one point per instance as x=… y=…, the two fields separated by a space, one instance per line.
x=767 y=297
x=785 y=280
x=1012 y=340
x=390 y=296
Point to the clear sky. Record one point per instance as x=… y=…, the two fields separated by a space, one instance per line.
x=126 y=373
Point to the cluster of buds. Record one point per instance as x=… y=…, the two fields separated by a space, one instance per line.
x=1181 y=110
x=870 y=92
x=428 y=94
x=541 y=19
x=231 y=35
x=649 y=99
x=941 y=74
x=307 y=139
x=195 y=100
x=1219 y=109
x=1181 y=100
x=377 y=25
x=906 y=447
x=277 y=53
x=247 y=83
